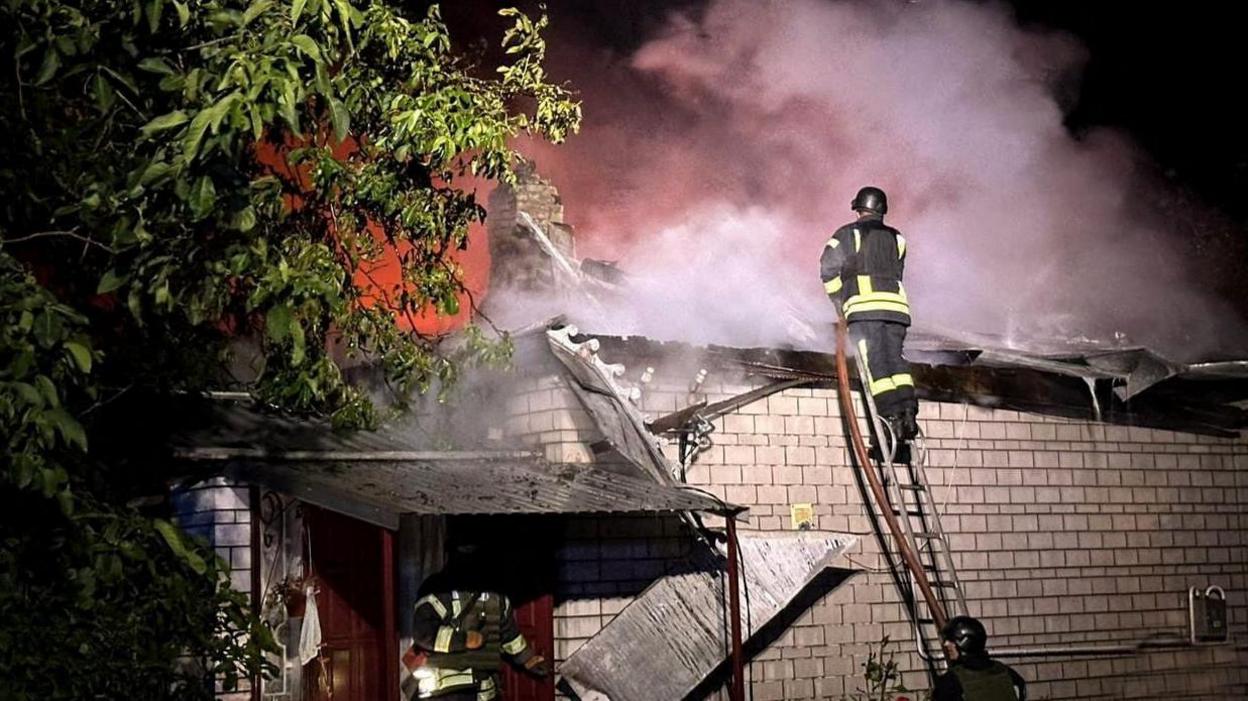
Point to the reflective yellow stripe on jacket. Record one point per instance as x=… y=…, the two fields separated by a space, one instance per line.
x=442 y=643
x=515 y=646
x=431 y=680
x=432 y=601
x=876 y=302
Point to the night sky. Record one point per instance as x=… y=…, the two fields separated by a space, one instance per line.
x=1169 y=76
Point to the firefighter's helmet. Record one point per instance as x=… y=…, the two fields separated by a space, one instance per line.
x=870 y=199
x=967 y=634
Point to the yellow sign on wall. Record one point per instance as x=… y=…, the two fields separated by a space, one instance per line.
x=803 y=516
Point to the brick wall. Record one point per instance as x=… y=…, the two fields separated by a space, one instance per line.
x=1063 y=532
x=219 y=511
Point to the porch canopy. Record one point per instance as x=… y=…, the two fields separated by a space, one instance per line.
x=377 y=476
x=380 y=487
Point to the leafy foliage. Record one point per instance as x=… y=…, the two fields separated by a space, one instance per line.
x=185 y=180
x=127 y=608
x=881 y=676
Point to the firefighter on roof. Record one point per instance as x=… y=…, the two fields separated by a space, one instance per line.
x=862 y=267
x=462 y=635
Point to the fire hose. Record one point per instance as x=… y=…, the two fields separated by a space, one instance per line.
x=904 y=547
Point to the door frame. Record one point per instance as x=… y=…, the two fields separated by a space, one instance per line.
x=390 y=631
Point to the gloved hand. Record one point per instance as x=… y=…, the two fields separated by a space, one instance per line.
x=473 y=640
x=537 y=666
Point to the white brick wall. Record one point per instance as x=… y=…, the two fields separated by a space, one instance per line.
x=219 y=511
x=1064 y=532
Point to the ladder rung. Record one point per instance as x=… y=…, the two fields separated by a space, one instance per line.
x=945 y=585
x=909 y=512
x=913 y=487
x=927 y=535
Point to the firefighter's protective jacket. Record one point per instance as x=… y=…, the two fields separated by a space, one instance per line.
x=862 y=266
x=441 y=626
x=979 y=678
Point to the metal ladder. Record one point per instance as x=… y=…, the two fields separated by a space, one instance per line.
x=912 y=502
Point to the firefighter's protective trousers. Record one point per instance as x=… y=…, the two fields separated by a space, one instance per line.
x=877 y=344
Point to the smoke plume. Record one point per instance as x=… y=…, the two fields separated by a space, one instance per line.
x=718 y=157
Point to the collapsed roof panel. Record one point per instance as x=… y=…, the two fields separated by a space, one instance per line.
x=673 y=636
x=609 y=403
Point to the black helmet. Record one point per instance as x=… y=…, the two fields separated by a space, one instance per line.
x=870 y=199
x=967 y=634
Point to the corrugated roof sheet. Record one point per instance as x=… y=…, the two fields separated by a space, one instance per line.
x=593 y=380
x=671 y=637
x=379 y=491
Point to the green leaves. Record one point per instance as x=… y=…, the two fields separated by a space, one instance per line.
x=195 y=134
x=340 y=118
x=203 y=197
x=47 y=70
x=204 y=120
x=70 y=431
x=307 y=45
x=256 y=9
x=165 y=121
x=277 y=322
x=174 y=539
x=248 y=169
x=299 y=344
x=80 y=354
x=157 y=65
x=109 y=282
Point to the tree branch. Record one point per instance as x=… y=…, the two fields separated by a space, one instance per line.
x=68 y=234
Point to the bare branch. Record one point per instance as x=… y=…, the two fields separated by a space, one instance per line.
x=49 y=234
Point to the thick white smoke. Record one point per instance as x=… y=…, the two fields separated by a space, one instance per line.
x=718 y=157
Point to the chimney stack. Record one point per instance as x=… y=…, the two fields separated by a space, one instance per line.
x=517 y=259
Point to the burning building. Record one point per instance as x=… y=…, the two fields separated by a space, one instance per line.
x=1093 y=498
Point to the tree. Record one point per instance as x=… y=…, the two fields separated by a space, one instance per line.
x=183 y=177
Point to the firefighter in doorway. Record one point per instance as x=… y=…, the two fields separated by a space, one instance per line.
x=861 y=267
x=462 y=634
x=973 y=675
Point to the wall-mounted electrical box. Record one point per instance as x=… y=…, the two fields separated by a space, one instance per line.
x=1206 y=609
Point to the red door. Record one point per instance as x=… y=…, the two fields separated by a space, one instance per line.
x=537 y=621
x=353 y=565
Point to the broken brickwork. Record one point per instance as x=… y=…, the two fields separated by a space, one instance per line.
x=519 y=262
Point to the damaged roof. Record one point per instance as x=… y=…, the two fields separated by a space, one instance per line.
x=1083 y=381
x=379 y=491
x=379 y=476
x=1068 y=376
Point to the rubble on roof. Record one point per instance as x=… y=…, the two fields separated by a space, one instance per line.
x=1128 y=386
